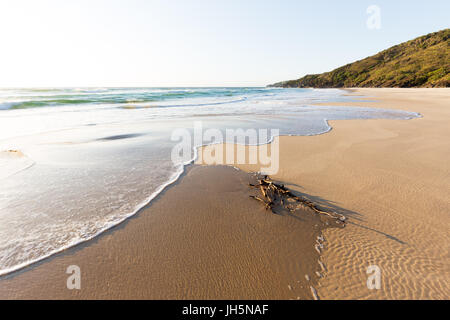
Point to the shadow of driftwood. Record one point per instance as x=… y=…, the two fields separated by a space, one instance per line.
x=325 y=204
x=391 y=237
x=329 y=205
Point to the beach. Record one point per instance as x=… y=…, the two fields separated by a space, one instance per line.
x=204 y=238
x=392 y=180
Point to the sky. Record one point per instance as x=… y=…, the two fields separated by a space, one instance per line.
x=100 y=43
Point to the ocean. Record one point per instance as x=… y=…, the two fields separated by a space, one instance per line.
x=75 y=162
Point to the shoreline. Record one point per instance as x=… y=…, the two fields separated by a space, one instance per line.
x=345 y=278
x=391 y=177
x=202 y=238
x=174 y=178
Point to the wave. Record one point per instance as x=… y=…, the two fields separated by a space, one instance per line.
x=27 y=98
x=212 y=103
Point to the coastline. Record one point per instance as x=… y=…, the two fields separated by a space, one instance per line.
x=360 y=168
x=391 y=179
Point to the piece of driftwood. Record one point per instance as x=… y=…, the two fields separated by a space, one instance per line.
x=277 y=194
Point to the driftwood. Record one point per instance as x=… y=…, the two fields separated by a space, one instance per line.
x=277 y=194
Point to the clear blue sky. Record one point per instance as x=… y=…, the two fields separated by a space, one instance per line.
x=196 y=43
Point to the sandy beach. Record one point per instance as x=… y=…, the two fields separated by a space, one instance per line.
x=392 y=180
x=204 y=238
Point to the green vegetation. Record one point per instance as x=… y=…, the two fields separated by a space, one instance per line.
x=422 y=62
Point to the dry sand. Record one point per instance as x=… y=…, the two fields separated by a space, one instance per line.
x=392 y=179
x=203 y=238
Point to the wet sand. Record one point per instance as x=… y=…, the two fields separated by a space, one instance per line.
x=202 y=238
x=391 y=178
